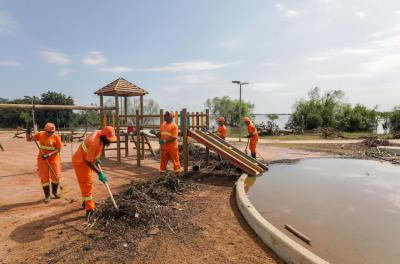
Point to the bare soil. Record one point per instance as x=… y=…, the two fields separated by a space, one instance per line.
x=201 y=223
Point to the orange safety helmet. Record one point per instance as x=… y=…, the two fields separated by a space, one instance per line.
x=246 y=119
x=170 y=113
x=221 y=119
x=49 y=127
x=109 y=132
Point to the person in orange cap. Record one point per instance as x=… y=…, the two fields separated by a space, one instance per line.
x=86 y=159
x=221 y=131
x=168 y=139
x=50 y=146
x=252 y=136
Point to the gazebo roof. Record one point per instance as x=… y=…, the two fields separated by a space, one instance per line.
x=121 y=87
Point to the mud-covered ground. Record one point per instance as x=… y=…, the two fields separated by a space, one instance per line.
x=195 y=221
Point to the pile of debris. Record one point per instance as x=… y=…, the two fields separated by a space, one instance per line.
x=374 y=142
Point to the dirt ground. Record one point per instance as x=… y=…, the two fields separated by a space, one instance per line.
x=32 y=232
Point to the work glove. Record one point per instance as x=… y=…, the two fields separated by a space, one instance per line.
x=102 y=177
x=161 y=141
x=45 y=156
x=98 y=161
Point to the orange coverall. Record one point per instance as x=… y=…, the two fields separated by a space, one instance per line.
x=221 y=131
x=48 y=144
x=251 y=128
x=169 y=151
x=89 y=150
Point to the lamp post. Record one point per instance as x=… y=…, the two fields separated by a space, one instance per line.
x=240 y=107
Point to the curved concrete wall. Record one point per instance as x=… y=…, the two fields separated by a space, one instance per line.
x=287 y=249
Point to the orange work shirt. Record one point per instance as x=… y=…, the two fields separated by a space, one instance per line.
x=167 y=131
x=48 y=143
x=89 y=150
x=251 y=128
x=221 y=131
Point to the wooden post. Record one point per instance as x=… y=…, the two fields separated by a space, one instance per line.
x=185 y=141
x=161 y=116
x=101 y=116
x=207 y=127
x=197 y=120
x=193 y=124
x=126 y=109
x=117 y=130
x=202 y=120
x=126 y=144
x=177 y=118
x=142 y=122
x=138 y=158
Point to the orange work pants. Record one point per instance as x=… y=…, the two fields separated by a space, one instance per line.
x=169 y=154
x=84 y=176
x=45 y=173
x=253 y=145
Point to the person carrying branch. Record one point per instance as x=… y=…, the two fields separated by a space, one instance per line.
x=49 y=145
x=168 y=139
x=86 y=159
x=252 y=136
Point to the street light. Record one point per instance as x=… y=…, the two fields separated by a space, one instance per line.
x=240 y=106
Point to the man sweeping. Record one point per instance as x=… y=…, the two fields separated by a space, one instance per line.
x=86 y=159
x=252 y=136
x=168 y=139
x=49 y=155
x=221 y=131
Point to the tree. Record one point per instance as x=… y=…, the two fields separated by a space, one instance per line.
x=228 y=108
x=330 y=110
x=394 y=119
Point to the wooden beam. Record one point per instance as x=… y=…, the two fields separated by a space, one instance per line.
x=207 y=127
x=117 y=130
x=185 y=141
x=101 y=115
x=53 y=107
x=141 y=122
x=126 y=109
x=138 y=152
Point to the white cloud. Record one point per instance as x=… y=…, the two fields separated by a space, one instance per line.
x=7 y=23
x=190 y=66
x=268 y=64
x=280 y=7
x=266 y=86
x=377 y=34
x=63 y=72
x=94 y=58
x=341 y=75
x=55 y=57
x=388 y=62
x=9 y=63
x=196 y=79
x=397 y=12
x=291 y=13
x=116 y=69
x=360 y=14
x=325 y=1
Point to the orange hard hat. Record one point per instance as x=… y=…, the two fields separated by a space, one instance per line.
x=49 y=127
x=221 y=119
x=109 y=132
x=170 y=113
x=246 y=119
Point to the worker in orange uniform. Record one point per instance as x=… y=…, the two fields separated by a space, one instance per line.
x=168 y=139
x=86 y=159
x=221 y=131
x=252 y=136
x=50 y=146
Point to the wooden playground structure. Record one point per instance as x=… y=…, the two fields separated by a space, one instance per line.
x=190 y=124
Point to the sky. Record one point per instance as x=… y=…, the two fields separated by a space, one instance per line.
x=185 y=51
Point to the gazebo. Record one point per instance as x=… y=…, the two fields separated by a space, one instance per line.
x=120 y=88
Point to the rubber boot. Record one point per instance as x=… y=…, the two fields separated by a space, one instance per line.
x=54 y=189
x=254 y=155
x=89 y=215
x=46 y=190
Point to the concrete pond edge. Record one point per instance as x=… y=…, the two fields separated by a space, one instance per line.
x=287 y=249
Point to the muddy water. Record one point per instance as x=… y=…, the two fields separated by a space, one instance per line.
x=349 y=208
